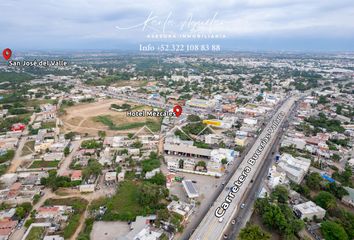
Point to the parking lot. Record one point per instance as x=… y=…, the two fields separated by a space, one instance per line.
x=109 y=230
x=204 y=185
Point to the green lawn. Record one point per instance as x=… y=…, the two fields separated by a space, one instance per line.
x=36 y=233
x=44 y=164
x=48 y=124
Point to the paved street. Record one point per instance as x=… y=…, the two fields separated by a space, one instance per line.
x=212 y=227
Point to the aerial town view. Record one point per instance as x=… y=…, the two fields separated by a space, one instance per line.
x=125 y=121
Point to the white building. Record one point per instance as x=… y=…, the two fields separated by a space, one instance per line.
x=110 y=176
x=182 y=208
x=213 y=139
x=295 y=168
x=141 y=229
x=120 y=141
x=299 y=143
x=351 y=164
x=309 y=210
x=222 y=153
x=276 y=178
x=152 y=173
x=250 y=121
x=87 y=188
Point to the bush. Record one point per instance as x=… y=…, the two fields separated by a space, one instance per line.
x=7 y=156
x=333 y=231
x=70 y=229
x=151 y=163
x=91 y=144
x=325 y=200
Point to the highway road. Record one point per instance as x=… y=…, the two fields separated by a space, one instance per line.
x=213 y=227
x=243 y=215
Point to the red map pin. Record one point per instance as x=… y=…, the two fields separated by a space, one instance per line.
x=7 y=53
x=177 y=110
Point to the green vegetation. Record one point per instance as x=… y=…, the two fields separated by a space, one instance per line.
x=66 y=151
x=8 y=155
x=302 y=189
x=69 y=135
x=337 y=191
x=253 y=232
x=322 y=121
x=91 y=144
x=343 y=217
x=136 y=144
x=313 y=181
x=106 y=120
x=85 y=233
x=325 y=200
x=121 y=76
x=133 y=199
x=151 y=163
x=333 y=231
x=341 y=142
x=48 y=125
x=23 y=209
x=3 y=169
x=304 y=80
x=93 y=168
x=201 y=164
x=323 y=100
x=277 y=215
x=196 y=128
x=158 y=179
x=36 y=198
x=174 y=218
x=280 y=194
x=12 y=80
x=78 y=204
x=344 y=177
x=44 y=164
x=193 y=118
x=54 y=182
x=201 y=144
x=182 y=136
x=28 y=148
x=259 y=98
x=335 y=157
x=296 y=152
x=123 y=107
x=35 y=233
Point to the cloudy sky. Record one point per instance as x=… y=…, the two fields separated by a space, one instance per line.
x=304 y=25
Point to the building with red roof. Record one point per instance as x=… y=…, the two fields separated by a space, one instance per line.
x=18 y=127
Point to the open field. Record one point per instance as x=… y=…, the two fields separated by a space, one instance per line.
x=35 y=233
x=124 y=83
x=44 y=164
x=93 y=117
x=28 y=148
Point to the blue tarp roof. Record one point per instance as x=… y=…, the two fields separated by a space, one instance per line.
x=328 y=178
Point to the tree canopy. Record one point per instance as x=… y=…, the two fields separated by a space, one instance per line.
x=333 y=231
x=253 y=232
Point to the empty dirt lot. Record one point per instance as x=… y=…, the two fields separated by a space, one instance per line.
x=109 y=230
x=82 y=118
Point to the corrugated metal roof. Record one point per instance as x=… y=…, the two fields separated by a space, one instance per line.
x=187 y=149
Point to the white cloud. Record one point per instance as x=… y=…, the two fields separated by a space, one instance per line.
x=51 y=20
